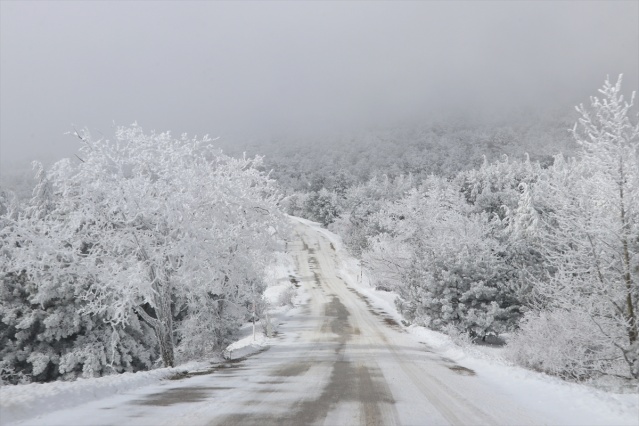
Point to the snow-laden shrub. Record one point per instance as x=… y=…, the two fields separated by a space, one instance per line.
x=294 y=203
x=564 y=343
x=460 y=338
x=44 y=336
x=285 y=298
x=444 y=262
x=357 y=222
x=321 y=206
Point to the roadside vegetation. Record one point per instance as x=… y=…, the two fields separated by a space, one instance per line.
x=544 y=250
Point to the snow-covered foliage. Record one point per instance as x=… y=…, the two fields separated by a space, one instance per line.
x=319 y=174
x=144 y=244
x=358 y=205
x=590 y=241
x=549 y=247
x=443 y=146
x=444 y=262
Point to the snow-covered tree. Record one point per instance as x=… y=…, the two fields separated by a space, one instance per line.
x=154 y=230
x=589 y=237
x=45 y=333
x=322 y=206
x=610 y=144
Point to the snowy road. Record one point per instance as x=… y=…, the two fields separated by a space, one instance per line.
x=339 y=361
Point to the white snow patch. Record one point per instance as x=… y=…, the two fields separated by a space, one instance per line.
x=18 y=402
x=247 y=346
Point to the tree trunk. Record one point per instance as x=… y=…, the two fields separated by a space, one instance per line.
x=163 y=328
x=163 y=322
x=631 y=316
x=165 y=340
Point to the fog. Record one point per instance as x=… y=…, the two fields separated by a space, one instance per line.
x=251 y=70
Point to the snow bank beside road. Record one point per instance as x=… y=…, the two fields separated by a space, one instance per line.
x=565 y=402
x=280 y=296
x=19 y=402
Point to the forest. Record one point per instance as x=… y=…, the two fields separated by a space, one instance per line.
x=148 y=250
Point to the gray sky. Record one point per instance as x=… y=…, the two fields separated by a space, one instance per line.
x=247 y=70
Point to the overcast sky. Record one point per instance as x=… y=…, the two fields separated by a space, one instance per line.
x=246 y=70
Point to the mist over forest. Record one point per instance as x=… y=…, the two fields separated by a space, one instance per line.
x=253 y=73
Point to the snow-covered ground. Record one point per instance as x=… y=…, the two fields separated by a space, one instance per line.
x=25 y=401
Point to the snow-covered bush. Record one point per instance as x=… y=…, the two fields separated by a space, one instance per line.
x=321 y=206
x=564 y=343
x=443 y=262
x=294 y=203
x=286 y=296
x=357 y=222
x=44 y=334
